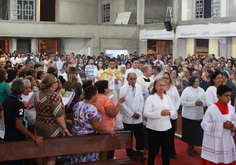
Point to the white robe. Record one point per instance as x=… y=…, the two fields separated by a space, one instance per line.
x=218 y=144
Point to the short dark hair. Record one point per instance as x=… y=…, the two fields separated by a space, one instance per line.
x=89 y=92
x=30 y=72
x=210 y=72
x=157 y=68
x=67 y=63
x=87 y=83
x=37 y=65
x=134 y=59
x=214 y=77
x=62 y=80
x=112 y=60
x=101 y=85
x=223 y=89
x=51 y=70
x=191 y=80
x=11 y=75
x=39 y=73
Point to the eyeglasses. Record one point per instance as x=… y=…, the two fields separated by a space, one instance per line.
x=165 y=78
x=161 y=85
x=55 y=82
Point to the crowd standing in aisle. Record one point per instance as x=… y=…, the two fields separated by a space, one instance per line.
x=141 y=93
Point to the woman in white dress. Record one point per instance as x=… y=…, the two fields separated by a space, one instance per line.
x=172 y=91
x=98 y=71
x=159 y=109
x=193 y=101
x=216 y=81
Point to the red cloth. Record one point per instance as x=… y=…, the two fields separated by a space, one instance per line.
x=223 y=109
x=206 y=162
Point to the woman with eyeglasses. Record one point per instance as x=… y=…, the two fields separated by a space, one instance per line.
x=193 y=101
x=50 y=116
x=158 y=109
x=172 y=91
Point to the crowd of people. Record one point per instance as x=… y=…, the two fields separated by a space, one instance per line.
x=141 y=93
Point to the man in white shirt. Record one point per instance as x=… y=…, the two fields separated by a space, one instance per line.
x=60 y=63
x=134 y=68
x=64 y=75
x=159 y=61
x=46 y=61
x=132 y=109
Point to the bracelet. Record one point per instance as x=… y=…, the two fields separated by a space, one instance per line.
x=119 y=103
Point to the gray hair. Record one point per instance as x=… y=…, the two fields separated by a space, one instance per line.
x=122 y=66
x=31 y=62
x=145 y=68
x=26 y=81
x=18 y=86
x=130 y=74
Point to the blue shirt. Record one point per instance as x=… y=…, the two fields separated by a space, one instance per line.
x=90 y=70
x=13 y=109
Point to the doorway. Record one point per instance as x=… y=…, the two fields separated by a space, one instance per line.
x=47 y=10
x=49 y=46
x=5 y=46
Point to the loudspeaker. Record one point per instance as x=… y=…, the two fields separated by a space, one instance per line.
x=168 y=25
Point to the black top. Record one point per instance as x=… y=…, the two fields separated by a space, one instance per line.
x=13 y=109
x=82 y=75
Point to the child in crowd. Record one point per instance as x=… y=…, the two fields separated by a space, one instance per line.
x=218 y=123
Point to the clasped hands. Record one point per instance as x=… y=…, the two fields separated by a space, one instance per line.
x=136 y=116
x=165 y=113
x=229 y=125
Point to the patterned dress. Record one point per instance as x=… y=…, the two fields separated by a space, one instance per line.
x=48 y=106
x=82 y=126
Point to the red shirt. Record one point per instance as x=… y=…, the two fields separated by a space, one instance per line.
x=1 y=108
x=223 y=109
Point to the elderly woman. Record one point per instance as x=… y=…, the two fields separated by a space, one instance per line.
x=87 y=121
x=122 y=70
x=216 y=81
x=193 y=101
x=107 y=110
x=172 y=91
x=50 y=116
x=158 y=109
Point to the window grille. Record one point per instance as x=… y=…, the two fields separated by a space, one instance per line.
x=199 y=8
x=106 y=12
x=215 y=12
x=24 y=10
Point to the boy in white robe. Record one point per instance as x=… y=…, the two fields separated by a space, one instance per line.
x=219 y=124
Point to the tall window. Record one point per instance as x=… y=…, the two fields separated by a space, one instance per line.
x=215 y=12
x=199 y=8
x=207 y=8
x=23 y=10
x=106 y=12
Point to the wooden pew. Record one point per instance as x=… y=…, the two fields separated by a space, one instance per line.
x=27 y=149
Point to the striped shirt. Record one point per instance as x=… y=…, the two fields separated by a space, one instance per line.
x=90 y=70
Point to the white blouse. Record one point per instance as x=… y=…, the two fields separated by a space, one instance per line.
x=152 y=110
x=174 y=95
x=188 y=98
x=211 y=95
x=97 y=73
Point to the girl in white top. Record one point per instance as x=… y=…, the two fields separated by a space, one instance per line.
x=122 y=70
x=172 y=91
x=216 y=81
x=98 y=71
x=193 y=101
x=158 y=109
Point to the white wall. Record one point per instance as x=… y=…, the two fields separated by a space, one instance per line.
x=119 y=44
x=76 y=45
x=206 y=31
x=77 y=11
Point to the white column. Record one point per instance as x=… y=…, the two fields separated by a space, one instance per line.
x=142 y=47
x=34 y=45
x=175 y=24
x=223 y=8
x=228 y=47
x=140 y=12
x=13 y=45
x=99 y=11
x=62 y=45
x=184 y=10
x=181 y=48
x=37 y=10
x=223 y=47
x=95 y=47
